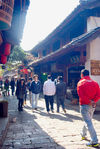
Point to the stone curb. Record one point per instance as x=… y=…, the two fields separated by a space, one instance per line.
x=4 y=124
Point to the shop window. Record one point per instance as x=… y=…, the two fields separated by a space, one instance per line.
x=74 y=75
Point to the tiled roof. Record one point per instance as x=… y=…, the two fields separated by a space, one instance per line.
x=76 y=42
x=87 y=4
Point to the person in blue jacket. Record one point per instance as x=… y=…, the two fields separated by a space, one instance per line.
x=35 y=89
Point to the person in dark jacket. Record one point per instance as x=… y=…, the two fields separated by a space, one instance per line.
x=1 y=84
x=20 y=93
x=6 y=86
x=25 y=97
x=12 y=84
x=35 y=89
x=60 y=94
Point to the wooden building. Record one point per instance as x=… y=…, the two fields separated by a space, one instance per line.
x=12 y=21
x=72 y=46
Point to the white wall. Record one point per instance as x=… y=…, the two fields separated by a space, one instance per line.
x=92 y=23
x=93 y=48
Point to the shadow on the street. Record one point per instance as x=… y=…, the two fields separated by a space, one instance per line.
x=76 y=108
x=25 y=133
x=54 y=116
x=28 y=107
x=74 y=117
x=28 y=133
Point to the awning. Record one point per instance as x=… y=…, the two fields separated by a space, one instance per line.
x=76 y=42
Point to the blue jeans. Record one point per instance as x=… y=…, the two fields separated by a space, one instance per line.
x=87 y=114
x=12 y=91
x=35 y=98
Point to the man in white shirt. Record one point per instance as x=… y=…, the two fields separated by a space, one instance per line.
x=49 y=90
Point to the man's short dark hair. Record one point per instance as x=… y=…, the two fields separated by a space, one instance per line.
x=21 y=75
x=22 y=79
x=30 y=78
x=85 y=72
x=49 y=76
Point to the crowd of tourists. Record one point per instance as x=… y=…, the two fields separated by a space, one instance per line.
x=31 y=90
x=88 y=91
x=50 y=89
x=6 y=85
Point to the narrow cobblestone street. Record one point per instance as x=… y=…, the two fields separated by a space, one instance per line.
x=38 y=130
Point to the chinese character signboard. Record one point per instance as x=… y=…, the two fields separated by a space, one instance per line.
x=95 y=67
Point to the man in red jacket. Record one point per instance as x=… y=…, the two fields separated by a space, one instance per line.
x=89 y=93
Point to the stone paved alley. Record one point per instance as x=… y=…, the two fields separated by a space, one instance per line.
x=39 y=130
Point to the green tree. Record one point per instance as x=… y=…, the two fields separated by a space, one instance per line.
x=17 y=54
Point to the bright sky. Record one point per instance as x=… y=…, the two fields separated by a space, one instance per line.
x=42 y=18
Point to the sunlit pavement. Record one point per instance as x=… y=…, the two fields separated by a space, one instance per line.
x=39 y=130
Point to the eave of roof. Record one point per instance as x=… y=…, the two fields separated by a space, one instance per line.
x=68 y=19
x=58 y=28
x=90 y=3
x=77 y=42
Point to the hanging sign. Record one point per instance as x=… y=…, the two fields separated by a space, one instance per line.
x=75 y=59
x=95 y=67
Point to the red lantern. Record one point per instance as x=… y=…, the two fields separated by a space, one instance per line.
x=25 y=71
x=3 y=59
x=7 y=48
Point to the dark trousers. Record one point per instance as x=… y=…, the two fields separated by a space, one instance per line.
x=25 y=96
x=12 y=91
x=60 y=101
x=20 y=104
x=49 y=100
